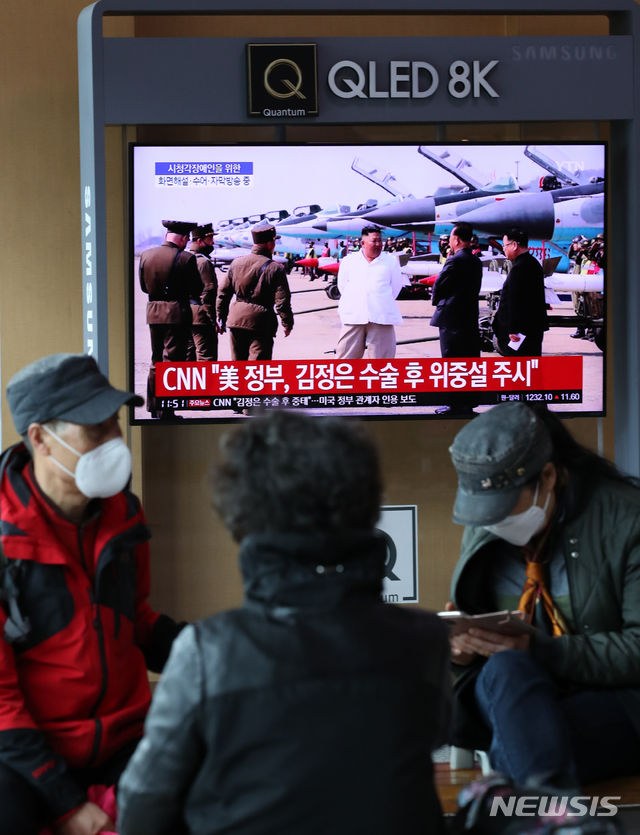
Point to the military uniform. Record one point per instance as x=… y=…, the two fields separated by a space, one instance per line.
x=203 y=343
x=170 y=277
x=261 y=291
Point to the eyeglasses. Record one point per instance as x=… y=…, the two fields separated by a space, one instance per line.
x=510 y=243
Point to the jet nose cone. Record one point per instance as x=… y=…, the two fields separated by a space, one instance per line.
x=532 y=212
x=405 y=212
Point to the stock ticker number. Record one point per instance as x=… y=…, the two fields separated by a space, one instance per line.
x=564 y=396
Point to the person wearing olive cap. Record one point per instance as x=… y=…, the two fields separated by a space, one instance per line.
x=76 y=632
x=261 y=291
x=552 y=529
x=203 y=343
x=170 y=277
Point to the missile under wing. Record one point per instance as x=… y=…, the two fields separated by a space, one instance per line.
x=493 y=277
x=226 y=256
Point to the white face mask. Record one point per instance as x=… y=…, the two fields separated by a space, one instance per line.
x=520 y=527
x=102 y=472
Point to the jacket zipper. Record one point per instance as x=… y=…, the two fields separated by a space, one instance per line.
x=97 y=625
x=81 y=549
x=95 y=748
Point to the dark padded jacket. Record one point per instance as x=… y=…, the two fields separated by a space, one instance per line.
x=312 y=709
x=522 y=307
x=598 y=528
x=73 y=637
x=456 y=291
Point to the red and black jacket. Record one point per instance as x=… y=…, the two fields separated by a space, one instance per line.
x=77 y=636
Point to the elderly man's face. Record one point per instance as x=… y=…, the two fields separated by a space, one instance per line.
x=372 y=245
x=83 y=438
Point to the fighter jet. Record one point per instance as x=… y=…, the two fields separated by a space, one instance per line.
x=548 y=216
x=304 y=225
x=351 y=224
x=453 y=163
x=564 y=175
x=494 y=206
x=242 y=236
x=385 y=180
x=447 y=204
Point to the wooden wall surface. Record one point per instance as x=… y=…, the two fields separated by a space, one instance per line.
x=194 y=569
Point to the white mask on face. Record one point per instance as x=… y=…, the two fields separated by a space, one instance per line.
x=520 y=527
x=102 y=472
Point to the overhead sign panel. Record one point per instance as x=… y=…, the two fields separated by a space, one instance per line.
x=492 y=79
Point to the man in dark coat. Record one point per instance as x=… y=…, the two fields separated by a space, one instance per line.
x=315 y=707
x=261 y=290
x=203 y=344
x=521 y=317
x=455 y=296
x=170 y=278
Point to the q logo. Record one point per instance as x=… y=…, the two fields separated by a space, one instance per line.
x=282 y=80
x=293 y=90
x=392 y=556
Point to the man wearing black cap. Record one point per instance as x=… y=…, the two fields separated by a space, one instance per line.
x=203 y=344
x=261 y=290
x=76 y=631
x=521 y=317
x=171 y=279
x=553 y=530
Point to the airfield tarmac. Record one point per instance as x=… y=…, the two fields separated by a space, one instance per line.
x=316 y=331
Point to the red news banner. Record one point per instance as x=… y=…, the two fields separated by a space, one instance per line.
x=498 y=377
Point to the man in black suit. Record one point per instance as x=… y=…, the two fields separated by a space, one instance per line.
x=455 y=295
x=521 y=317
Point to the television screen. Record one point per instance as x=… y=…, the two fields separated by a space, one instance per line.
x=329 y=320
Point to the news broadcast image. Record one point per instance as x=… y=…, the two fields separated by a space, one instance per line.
x=319 y=198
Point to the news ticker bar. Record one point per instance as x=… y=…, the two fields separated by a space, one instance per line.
x=359 y=401
x=560 y=377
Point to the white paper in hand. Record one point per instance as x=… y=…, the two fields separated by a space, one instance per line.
x=515 y=345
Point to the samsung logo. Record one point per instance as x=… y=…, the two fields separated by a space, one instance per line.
x=564 y=53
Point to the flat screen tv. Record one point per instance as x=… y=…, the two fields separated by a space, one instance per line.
x=320 y=197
